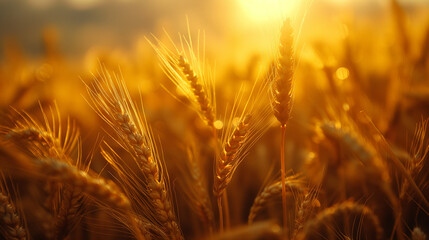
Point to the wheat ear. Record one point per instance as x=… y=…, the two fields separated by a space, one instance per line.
x=44 y=139
x=226 y=165
x=328 y=218
x=282 y=89
x=70 y=209
x=293 y=186
x=33 y=135
x=307 y=209
x=149 y=168
x=418 y=234
x=187 y=70
x=149 y=230
x=198 y=90
x=96 y=187
x=11 y=223
x=115 y=106
x=49 y=140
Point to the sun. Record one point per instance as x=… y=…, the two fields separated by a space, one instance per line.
x=267 y=10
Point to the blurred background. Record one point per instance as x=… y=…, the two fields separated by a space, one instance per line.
x=82 y=25
x=374 y=52
x=353 y=55
x=43 y=40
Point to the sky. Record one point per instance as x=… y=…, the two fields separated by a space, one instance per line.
x=80 y=24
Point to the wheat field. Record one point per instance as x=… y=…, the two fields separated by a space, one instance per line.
x=300 y=132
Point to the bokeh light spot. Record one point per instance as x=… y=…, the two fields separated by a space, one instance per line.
x=218 y=124
x=342 y=73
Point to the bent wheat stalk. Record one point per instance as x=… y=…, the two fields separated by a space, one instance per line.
x=293 y=185
x=325 y=222
x=43 y=139
x=111 y=100
x=48 y=140
x=375 y=168
x=397 y=162
x=96 y=187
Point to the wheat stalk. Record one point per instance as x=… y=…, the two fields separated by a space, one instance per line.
x=418 y=152
x=46 y=140
x=282 y=91
x=114 y=106
x=375 y=170
x=195 y=189
x=228 y=161
x=354 y=144
x=241 y=133
x=293 y=185
x=330 y=217
x=102 y=190
x=259 y=230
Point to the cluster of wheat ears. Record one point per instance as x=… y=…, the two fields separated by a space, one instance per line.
x=355 y=185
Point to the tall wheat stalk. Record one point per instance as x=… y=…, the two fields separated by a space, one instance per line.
x=283 y=96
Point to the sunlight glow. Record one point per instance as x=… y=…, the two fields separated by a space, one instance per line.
x=267 y=10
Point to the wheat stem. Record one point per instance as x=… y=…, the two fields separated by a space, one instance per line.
x=219 y=206
x=283 y=175
x=226 y=205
